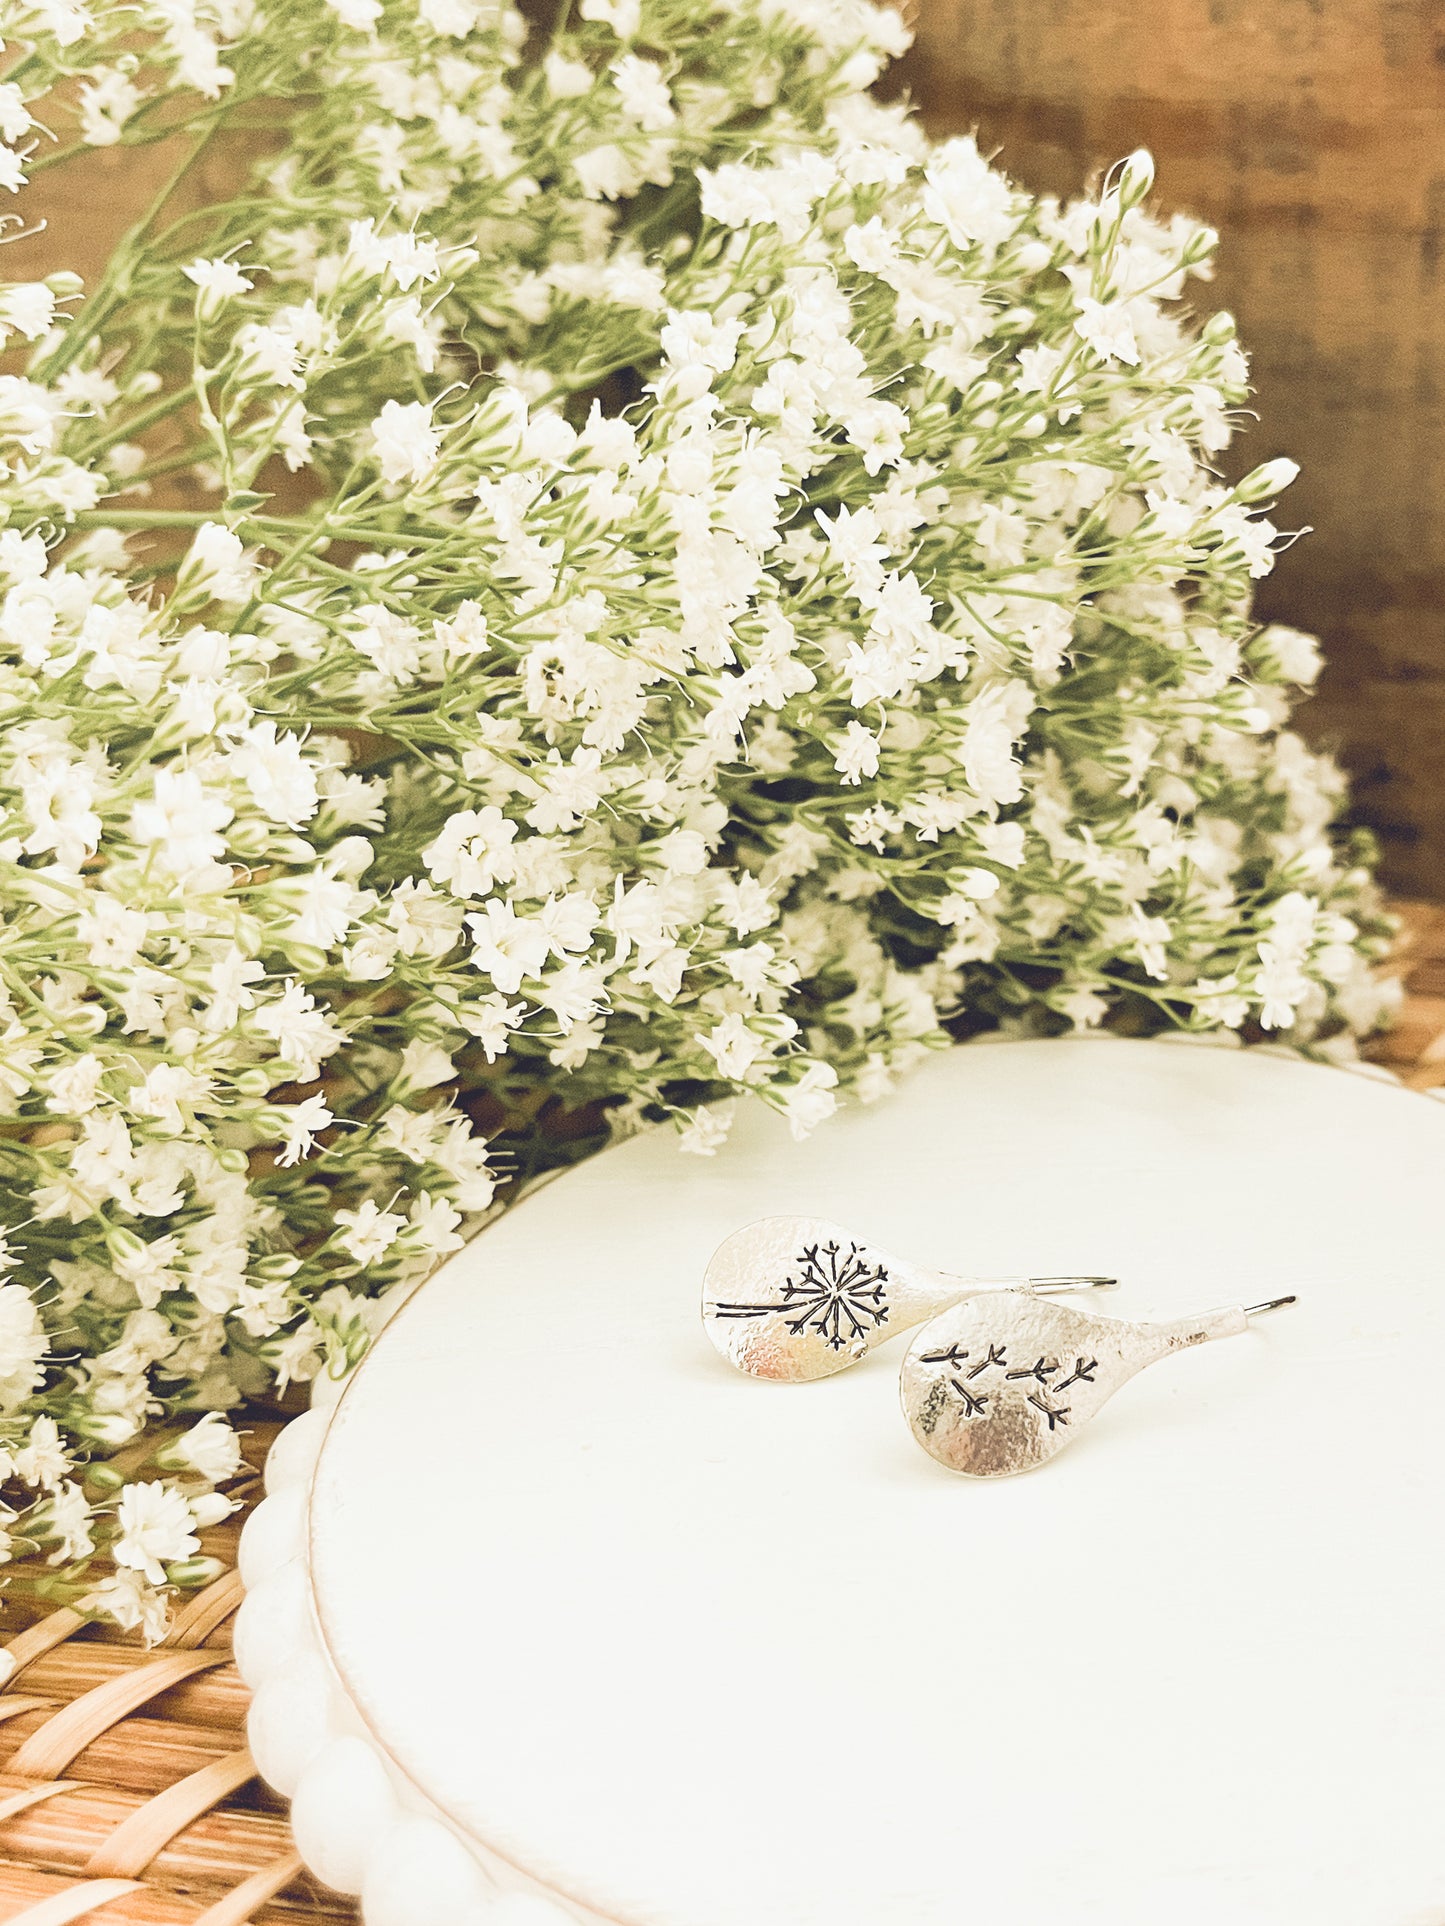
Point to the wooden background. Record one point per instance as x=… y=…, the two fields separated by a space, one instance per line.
x=1312 y=134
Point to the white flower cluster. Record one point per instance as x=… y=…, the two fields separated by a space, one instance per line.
x=612 y=574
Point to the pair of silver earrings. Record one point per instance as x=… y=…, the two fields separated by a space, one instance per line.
x=999 y=1377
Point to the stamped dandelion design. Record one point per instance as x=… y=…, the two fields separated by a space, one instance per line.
x=836 y=1293
x=998 y=1379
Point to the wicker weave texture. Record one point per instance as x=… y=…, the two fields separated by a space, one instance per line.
x=126 y=1791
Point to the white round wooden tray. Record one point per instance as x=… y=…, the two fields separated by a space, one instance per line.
x=563 y=1620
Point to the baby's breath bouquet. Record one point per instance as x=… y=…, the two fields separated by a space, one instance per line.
x=608 y=574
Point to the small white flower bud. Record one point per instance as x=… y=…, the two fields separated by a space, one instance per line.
x=210 y=1508
x=1268 y=479
x=1136 y=177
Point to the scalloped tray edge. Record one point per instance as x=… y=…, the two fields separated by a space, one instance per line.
x=361 y=1825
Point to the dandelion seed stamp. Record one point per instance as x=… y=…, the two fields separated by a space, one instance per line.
x=1003 y=1381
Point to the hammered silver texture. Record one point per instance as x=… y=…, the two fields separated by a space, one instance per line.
x=1003 y=1381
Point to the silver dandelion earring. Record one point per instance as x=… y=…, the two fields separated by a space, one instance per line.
x=1002 y=1382
x=794 y=1298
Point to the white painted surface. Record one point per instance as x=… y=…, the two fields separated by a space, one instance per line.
x=753 y=1659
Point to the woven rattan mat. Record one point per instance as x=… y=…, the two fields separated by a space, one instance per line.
x=126 y=1791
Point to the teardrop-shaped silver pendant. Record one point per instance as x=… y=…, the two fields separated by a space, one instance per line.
x=794 y=1298
x=1004 y=1381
